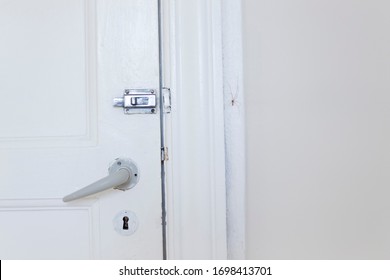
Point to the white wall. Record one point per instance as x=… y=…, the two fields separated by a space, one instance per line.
x=317 y=87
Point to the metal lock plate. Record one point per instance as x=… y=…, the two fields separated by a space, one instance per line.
x=125 y=222
x=137 y=101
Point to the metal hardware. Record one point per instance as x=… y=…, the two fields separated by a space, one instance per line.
x=125 y=223
x=166 y=92
x=123 y=175
x=137 y=101
x=164 y=154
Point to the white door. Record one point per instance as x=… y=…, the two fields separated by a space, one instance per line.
x=61 y=64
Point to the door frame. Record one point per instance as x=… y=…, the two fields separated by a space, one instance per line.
x=196 y=189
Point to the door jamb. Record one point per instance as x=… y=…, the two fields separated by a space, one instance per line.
x=196 y=192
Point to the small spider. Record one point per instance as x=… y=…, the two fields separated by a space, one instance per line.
x=234 y=96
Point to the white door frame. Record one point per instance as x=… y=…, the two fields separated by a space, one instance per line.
x=232 y=43
x=196 y=192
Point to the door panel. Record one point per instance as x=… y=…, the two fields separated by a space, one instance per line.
x=48 y=66
x=62 y=63
x=22 y=234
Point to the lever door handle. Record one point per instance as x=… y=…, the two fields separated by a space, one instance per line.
x=123 y=175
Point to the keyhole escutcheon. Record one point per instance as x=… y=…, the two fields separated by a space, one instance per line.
x=126 y=222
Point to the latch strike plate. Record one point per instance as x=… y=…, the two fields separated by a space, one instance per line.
x=137 y=101
x=166 y=93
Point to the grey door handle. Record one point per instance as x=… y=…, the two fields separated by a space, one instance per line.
x=123 y=175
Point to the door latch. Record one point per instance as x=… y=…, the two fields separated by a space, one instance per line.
x=137 y=101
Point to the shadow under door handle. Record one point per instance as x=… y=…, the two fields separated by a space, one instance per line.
x=123 y=175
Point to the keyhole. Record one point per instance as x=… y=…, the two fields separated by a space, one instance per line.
x=125 y=223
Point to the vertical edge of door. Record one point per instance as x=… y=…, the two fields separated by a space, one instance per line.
x=196 y=192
